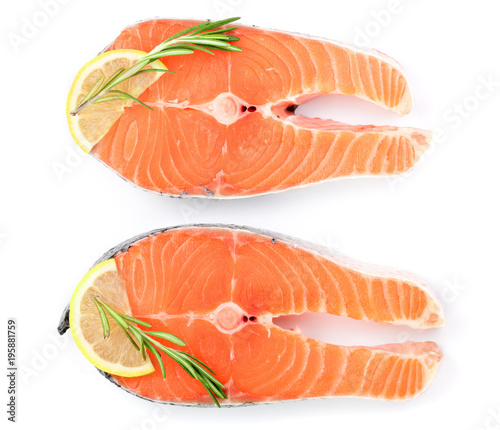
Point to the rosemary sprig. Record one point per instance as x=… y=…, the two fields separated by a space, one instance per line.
x=202 y=37
x=144 y=340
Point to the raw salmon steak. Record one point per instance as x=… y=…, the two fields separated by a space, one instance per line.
x=219 y=287
x=225 y=125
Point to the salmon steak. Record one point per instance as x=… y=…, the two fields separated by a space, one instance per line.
x=226 y=125
x=219 y=288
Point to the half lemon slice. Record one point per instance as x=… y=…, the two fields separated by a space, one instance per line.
x=90 y=125
x=115 y=354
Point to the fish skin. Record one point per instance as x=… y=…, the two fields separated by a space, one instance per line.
x=409 y=347
x=333 y=150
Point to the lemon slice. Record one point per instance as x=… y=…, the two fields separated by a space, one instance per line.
x=115 y=354
x=90 y=125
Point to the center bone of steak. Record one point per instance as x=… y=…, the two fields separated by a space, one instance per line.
x=226 y=108
x=229 y=318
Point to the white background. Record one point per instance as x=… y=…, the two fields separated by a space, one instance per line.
x=441 y=221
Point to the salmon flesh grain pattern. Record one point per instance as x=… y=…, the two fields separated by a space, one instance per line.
x=225 y=125
x=219 y=287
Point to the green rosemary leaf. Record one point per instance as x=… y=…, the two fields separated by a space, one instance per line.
x=154 y=70
x=117 y=317
x=199 y=361
x=112 y=78
x=209 y=42
x=210 y=386
x=214 y=399
x=193 y=47
x=104 y=319
x=136 y=321
x=167 y=336
x=143 y=62
x=157 y=356
x=233 y=48
x=222 y=30
x=205 y=36
x=109 y=99
x=126 y=95
x=221 y=37
x=172 y=353
x=93 y=90
x=119 y=320
x=170 y=52
x=140 y=338
x=131 y=340
x=203 y=371
x=143 y=350
x=211 y=25
x=215 y=389
x=137 y=334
